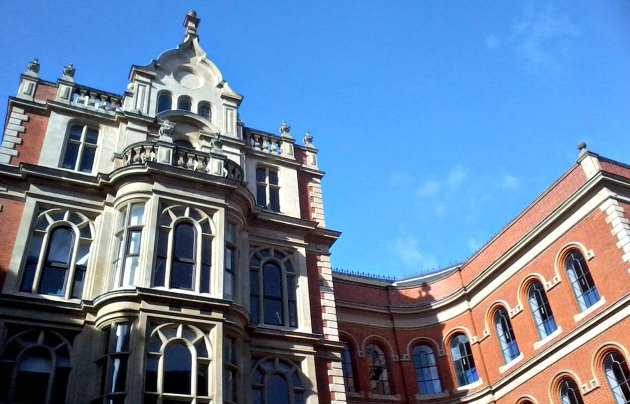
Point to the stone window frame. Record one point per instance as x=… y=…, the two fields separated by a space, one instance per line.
x=127 y=249
x=83 y=144
x=268 y=189
x=419 y=378
x=585 y=298
x=38 y=250
x=540 y=309
x=466 y=362
x=265 y=368
x=505 y=334
x=164 y=95
x=113 y=363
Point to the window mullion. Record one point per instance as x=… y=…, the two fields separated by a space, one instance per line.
x=69 y=282
x=42 y=258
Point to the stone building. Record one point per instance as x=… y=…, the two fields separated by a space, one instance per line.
x=157 y=250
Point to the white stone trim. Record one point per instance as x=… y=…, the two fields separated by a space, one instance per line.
x=15 y=126
x=548 y=338
x=591 y=309
x=510 y=364
x=620 y=225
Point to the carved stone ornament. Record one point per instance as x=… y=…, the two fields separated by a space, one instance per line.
x=33 y=66
x=69 y=70
x=217 y=143
x=308 y=139
x=285 y=129
x=166 y=128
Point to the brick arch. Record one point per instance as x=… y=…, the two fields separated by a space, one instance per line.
x=564 y=251
x=345 y=336
x=554 y=386
x=523 y=286
x=597 y=360
x=526 y=399
x=439 y=350
x=377 y=340
x=488 y=319
x=457 y=330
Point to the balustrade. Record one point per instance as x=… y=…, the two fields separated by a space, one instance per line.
x=265 y=143
x=93 y=100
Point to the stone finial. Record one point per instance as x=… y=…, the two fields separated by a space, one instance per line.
x=166 y=128
x=308 y=139
x=581 y=146
x=68 y=71
x=284 y=130
x=33 y=66
x=191 y=23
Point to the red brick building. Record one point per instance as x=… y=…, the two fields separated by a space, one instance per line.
x=155 y=249
x=538 y=315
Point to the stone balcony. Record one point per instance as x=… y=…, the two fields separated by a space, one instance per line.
x=182 y=157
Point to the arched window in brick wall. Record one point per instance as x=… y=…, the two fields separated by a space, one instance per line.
x=58 y=254
x=463 y=361
x=277 y=381
x=505 y=335
x=569 y=392
x=541 y=310
x=34 y=368
x=618 y=376
x=581 y=280
x=427 y=375
x=347 y=365
x=273 y=282
x=378 y=370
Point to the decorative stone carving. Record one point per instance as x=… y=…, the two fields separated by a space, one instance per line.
x=191 y=23
x=68 y=70
x=33 y=66
x=284 y=130
x=308 y=139
x=166 y=128
x=216 y=144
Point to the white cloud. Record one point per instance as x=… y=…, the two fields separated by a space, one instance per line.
x=456 y=176
x=541 y=37
x=509 y=182
x=430 y=188
x=407 y=251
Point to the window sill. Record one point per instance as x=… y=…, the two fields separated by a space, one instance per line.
x=548 y=338
x=431 y=396
x=591 y=309
x=504 y=368
x=470 y=386
x=53 y=298
x=388 y=397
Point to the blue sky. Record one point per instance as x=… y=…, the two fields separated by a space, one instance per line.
x=437 y=121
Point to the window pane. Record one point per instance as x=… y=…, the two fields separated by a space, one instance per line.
x=70 y=156
x=261 y=195
x=60 y=247
x=273 y=312
x=75 y=133
x=87 y=159
x=150 y=382
x=272 y=276
x=182 y=275
x=204 y=111
x=136 y=215
x=273 y=177
x=274 y=196
x=91 y=136
x=277 y=390
x=177 y=369
x=261 y=175
x=77 y=285
x=164 y=102
x=184 y=241
x=52 y=281
x=184 y=105
x=133 y=242
x=32 y=378
x=202 y=379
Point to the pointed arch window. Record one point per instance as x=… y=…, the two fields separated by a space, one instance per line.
x=34 y=367
x=277 y=381
x=505 y=334
x=347 y=366
x=427 y=375
x=463 y=361
x=178 y=364
x=183 y=253
x=541 y=310
x=273 y=282
x=58 y=254
x=378 y=370
x=581 y=280
x=618 y=376
x=570 y=393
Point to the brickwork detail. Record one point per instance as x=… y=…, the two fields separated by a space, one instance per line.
x=15 y=126
x=615 y=216
x=316 y=202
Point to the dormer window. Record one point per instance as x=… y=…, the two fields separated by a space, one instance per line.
x=204 y=110
x=184 y=104
x=165 y=102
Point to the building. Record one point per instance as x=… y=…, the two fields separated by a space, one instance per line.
x=157 y=250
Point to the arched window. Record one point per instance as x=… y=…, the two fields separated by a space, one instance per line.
x=204 y=110
x=178 y=363
x=58 y=254
x=35 y=366
x=463 y=362
x=505 y=334
x=184 y=103
x=80 y=148
x=581 y=280
x=184 y=245
x=378 y=370
x=165 y=102
x=427 y=376
x=347 y=365
x=570 y=393
x=277 y=381
x=618 y=376
x=541 y=310
x=273 y=288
